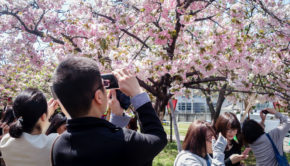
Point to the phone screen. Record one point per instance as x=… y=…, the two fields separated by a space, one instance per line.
x=246 y=151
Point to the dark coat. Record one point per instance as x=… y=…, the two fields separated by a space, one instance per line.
x=96 y=142
x=236 y=149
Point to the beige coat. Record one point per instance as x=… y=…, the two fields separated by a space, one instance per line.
x=28 y=150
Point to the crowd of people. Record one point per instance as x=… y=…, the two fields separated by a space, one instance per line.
x=35 y=134
x=198 y=147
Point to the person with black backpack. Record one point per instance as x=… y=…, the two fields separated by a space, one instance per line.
x=267 y=147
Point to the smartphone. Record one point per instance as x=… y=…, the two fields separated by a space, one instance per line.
x=110 y=81
x=246 y=151
x=265 y=112
x=52 y=93
x=124 y=100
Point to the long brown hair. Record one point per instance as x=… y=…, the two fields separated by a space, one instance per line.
x=195 y=139
x=226 y=121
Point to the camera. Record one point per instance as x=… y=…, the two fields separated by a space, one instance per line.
x=111 y=82
x=265 y=112
x=124 y=100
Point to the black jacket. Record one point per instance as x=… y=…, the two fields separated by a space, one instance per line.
x=96 y=142
x=236 y=149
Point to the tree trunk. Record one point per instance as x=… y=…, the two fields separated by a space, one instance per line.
x=160 y=105
x=159 y=90
x=210 y=106
x=219 y=103
x=215 y=112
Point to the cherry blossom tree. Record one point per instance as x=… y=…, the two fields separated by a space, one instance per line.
x=226 y=46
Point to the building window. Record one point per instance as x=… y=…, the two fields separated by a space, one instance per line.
x=188 y=107
x=198 y=107
x=181 y=107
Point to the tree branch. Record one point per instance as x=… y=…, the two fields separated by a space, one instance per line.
x=123 y=30
x=210 y=79
x=72 y=42
x=272 y=14
x=140 y=49
x=285 y=49
x=40 y=18
x=232 y=90
x=34 y=31
x=147 y=87
x=135 y=37
x=205 y=18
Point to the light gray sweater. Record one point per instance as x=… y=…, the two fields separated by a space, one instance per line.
x=262 y=147
x=186 y=158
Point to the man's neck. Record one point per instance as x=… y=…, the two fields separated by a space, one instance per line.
x=95 y=114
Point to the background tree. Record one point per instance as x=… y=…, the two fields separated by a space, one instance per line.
x=171 y=44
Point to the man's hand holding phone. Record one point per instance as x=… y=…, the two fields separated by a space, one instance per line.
x=128 y=82
x=269 y=110
x=52 y=106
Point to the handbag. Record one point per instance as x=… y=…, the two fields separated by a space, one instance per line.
x=281 y=160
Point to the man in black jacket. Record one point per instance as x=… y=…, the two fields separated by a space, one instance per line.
x=90 y=140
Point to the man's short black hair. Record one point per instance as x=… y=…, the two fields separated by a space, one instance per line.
x=252 y=130
x=75 y=81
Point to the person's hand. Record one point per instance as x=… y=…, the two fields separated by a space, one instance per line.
x=263 y=116
x=271 y=110
x=63 y=110
x=235 y=158
x=128 y=82
x=220 y=144
x=52 y=106
x=5 y=127
x=114 y=104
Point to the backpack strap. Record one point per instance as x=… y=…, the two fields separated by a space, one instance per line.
x=51 y=151
x=274 y=146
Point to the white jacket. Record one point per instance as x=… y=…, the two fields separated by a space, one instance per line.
x=28 y=150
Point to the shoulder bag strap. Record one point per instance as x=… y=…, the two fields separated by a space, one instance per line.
x=274 y=146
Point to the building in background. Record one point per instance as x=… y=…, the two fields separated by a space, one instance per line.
x=190 y=108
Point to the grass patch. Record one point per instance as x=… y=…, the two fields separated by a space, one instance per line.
x=167 y=156
x=182 y=128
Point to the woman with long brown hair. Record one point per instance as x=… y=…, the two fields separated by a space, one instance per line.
x=228 y=124
x=198 y=143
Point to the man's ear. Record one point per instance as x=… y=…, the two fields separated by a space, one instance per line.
x=99 y=96
x=43 y=117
